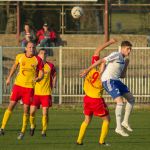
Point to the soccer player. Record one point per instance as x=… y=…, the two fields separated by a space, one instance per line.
x=93 y=101
x=116 y=67
x=28 y=65
x=42 y=94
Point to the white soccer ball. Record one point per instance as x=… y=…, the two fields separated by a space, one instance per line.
x=76 y=12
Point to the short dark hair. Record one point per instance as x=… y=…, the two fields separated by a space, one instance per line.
x=42 y=49
x=26 y=23
x=126 y=43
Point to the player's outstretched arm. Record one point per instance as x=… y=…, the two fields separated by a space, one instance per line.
x=101 y=47
x=123 y=74
x=12 y=71
x=85 y=72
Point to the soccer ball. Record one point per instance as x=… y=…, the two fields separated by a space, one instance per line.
x=76 y=12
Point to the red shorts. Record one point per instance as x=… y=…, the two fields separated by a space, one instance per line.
x=44 y=100
x=19 y=92
x=95 y=106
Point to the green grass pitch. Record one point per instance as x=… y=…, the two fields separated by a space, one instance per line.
x=63 y=130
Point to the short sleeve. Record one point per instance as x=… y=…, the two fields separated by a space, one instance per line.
x=112 y=56
x=53 y=70
x=40 y=63
x=94 y=59
x=18 y=57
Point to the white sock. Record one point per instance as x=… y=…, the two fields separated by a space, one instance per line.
x=128 y=110
x=118 y=113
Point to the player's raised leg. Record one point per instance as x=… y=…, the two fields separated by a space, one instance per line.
x=128 y=109
x=118 y=113
x=83 y=128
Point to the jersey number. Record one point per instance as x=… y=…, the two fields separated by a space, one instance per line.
x=94 y=77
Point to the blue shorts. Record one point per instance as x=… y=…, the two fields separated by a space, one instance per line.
x=115 y=88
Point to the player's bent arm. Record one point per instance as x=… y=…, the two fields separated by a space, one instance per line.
x=96 y=64
x=40 y=76
x=101 y=47
x=84 y=72
x=12 y=71
x=54 y=80
x=123 y=74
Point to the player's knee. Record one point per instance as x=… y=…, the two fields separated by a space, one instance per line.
x=87 y=121
x=119 y=100
x=45 y=112
x=130 y=98
x=131 y=101
x=120 y=104
x=32 y=113
x=32 y=110
x=109 y=119
x=10 y=108
x=26 y=109
x=11 y=105
x=106 y=118
x=26 y=112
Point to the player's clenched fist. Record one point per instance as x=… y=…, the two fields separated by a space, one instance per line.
x=113 y=40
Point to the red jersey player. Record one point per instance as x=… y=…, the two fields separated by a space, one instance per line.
x=43 y=94
x=93 y=101
x=28 y=65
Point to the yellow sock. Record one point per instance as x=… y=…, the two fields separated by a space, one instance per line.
x=82 y=132
x=5 y=118
x=25 y=122
x=32 y=122
x=104 y=131
x=44 y=123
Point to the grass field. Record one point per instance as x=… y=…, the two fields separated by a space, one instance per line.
x=63 y=130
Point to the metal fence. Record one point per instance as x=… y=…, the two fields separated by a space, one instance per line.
x=69 y=61
x=58 y=15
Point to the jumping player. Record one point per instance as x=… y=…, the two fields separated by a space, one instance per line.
x=29 y=65
x=43 y=94
x=116 y=67
x=93 y=101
